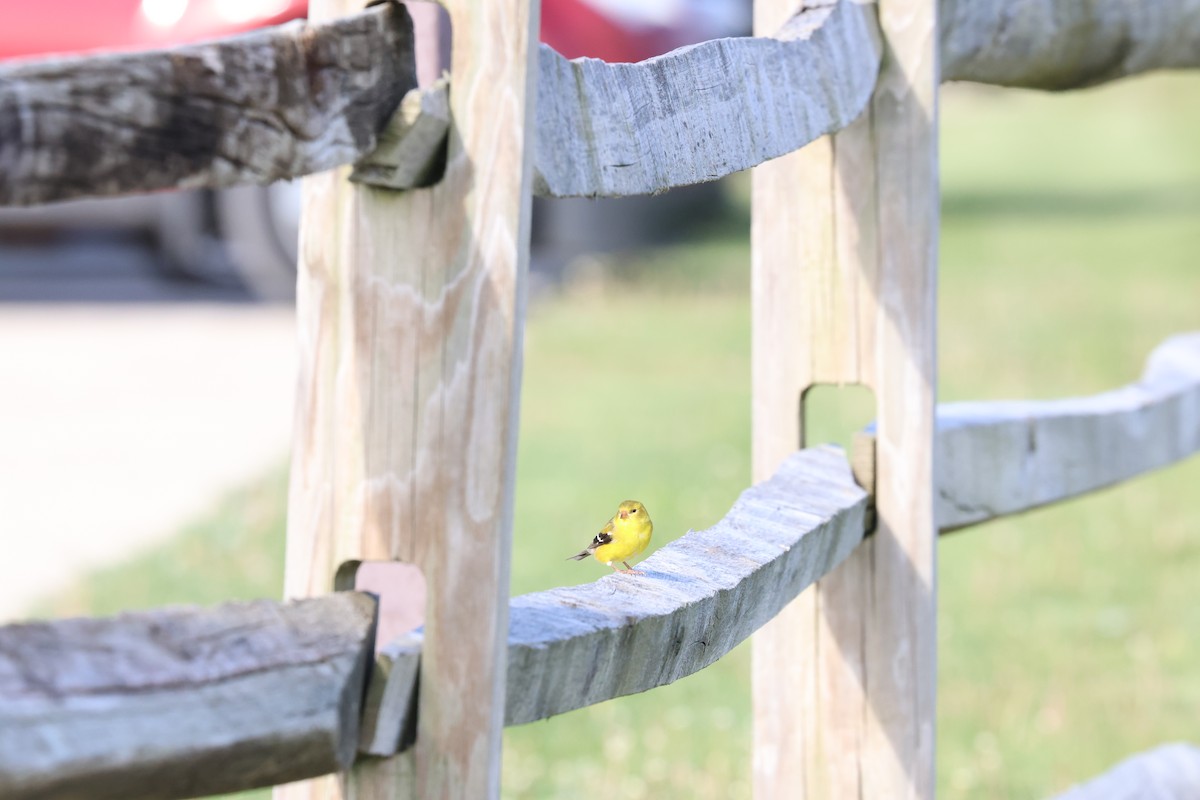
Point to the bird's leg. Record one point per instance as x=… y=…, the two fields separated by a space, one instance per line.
x=629 y=570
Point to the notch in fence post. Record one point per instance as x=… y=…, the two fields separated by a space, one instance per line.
x=844 y=239
x=410 y=310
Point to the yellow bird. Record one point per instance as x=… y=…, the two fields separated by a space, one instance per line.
x=625 y=535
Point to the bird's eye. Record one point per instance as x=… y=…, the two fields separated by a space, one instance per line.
x=633 y=511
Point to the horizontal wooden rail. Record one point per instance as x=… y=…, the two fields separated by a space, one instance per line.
x=186 y=702
x=1065 y=44
x=705 y=111
x=700 y=596
x=1168 y=772
x=276 y=103
x=1002 y=458
x=577 y=646
x=708 y=110
x=271 y=692
x=182 y=702
x=294 y=100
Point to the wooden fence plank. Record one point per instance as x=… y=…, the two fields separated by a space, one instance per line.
x=1065 y=44
x=411 y=310
x=701 y=595
x=619 y=129
x=901 y=626
x=275 y=103
x=1168 y=772
x=1095 y=441
x=701 y=112
x=101 y=125
x=1001 y=458
x=412 y=148
x=182 y=702
x=844 y=239
x=1130 y=430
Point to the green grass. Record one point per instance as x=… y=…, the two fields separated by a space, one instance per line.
x=1068 y=638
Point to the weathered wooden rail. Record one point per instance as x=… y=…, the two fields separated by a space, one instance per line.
x=409 y=381
x=703 y=594
x=297 y=99
x=1169 y=772
x=1004 y=458
x=182 y=702
x=276 y=103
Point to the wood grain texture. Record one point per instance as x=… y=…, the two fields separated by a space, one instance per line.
x=292 y=101
x=609 y=636
x=1168 y=772
x=275 y=103
x=411 y=310
x=701 y=595
x=412 y=148
x=390 y=709
x=1065 y=44
x=985 y=452
x=182 y=702
x=1000 y=458
x=843 y=240
x=900 y=635
x=701 y=112
x=697 y=113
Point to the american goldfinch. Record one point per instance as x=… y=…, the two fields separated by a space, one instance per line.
x=625 y=535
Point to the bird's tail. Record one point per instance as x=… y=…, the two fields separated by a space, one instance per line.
x=580 y=557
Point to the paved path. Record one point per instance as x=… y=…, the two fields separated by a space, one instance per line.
x=119 y=422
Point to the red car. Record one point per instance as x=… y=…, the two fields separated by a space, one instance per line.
x=253 y=228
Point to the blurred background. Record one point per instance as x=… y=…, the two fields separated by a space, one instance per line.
x=147 y=403
x=244 y=239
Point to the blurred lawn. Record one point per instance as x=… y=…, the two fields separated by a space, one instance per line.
x=1068 y=637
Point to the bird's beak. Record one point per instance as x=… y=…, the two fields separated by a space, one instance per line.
x=623 y=514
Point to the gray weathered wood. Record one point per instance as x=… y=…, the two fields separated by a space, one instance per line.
x=182 y=702
x=695 y=114
x=844 y=238
x=159 y=669
x=244 y=110
x=272 y=104
x=700 y=596
x=390 y=708
x=412 y=148
x=411 y=309
x=704 y=111
x=1065 y=44
x=989 y=470
x=292 y=101
x=1168 y=772
x=1002 y=458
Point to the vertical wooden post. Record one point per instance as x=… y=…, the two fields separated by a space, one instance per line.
x=410 y=310
x=844 y=240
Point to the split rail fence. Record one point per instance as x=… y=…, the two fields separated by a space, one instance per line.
x=410 y=305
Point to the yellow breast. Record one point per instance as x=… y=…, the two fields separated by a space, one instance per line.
x=629 y=539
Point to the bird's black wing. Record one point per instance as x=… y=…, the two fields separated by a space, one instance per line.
x=603 y=537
